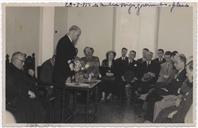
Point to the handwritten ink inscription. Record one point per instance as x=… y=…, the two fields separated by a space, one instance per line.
x=136 y=6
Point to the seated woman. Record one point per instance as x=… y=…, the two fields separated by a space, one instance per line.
x=107 y=71
x=91 y=63
x=177 y=113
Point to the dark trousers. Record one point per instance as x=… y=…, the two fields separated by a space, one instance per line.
x=107 y=86
x=163 y=116
x=28 y=111
x=58 y=93
x=61 y=103
x=154 y=96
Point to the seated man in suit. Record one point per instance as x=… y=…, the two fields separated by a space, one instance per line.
x=167 y=71
x=130 y=76
x=143 y=59
x=176 y=113
x=132 y=68
x=160 y=54
x=149 y=67
x=149 y=71
x=122 y=63
x=121 y=67
x=162 y=89
x=21 y=93
x=91 y=63
x=45 y=75
x=46 y=70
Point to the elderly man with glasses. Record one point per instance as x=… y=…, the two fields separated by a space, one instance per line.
x=21 y=93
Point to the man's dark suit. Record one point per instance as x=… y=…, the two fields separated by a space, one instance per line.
x=65 y=51
x=157 y=60
x=158 y=93
x=153 y=67
x=186 y=101
x=141 y=60
x=121 y=66
x=144 y=82
x=120 y=69
x=132 y=70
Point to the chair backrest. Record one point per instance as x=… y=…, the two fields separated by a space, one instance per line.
x=30 y=62
x=38 y=72
x=7 y=59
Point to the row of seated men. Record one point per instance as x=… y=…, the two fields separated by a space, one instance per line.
x=117 y=75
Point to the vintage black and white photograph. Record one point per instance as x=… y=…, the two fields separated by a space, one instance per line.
x=99 y=63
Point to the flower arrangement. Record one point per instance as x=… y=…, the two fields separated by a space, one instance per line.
x=77 y=65
x=79 y=69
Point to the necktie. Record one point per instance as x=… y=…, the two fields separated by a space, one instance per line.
x=147 y=63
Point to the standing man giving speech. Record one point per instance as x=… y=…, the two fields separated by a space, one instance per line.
x=65 y=53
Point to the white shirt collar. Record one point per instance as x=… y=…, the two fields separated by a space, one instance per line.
x=69 y=38
x=123 y=58
x=130 y=60
x=180 y=71
x=160 y=59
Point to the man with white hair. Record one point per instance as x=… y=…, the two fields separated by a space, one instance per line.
x=65 y=55
x=21 y=93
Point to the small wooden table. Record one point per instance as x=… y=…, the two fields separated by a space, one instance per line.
x=90 y=87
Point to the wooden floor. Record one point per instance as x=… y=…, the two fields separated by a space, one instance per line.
x=114 y=112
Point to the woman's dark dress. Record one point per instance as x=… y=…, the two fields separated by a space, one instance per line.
x=108 y=83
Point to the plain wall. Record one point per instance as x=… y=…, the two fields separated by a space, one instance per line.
x=135 y=32
x=176 y=30
x=22 y=29
x=97 y=28
x=104 y=29
x=60 y=24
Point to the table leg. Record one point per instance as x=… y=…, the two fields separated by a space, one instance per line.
x=86 y=106
x=96 y=100
x=63 y=106
x=74 y=103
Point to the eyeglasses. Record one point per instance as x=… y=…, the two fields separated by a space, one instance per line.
x=21 y=60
